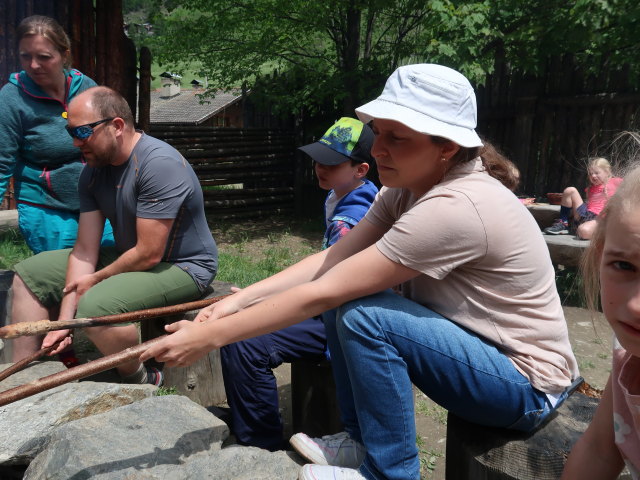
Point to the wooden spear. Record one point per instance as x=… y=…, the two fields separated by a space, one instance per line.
x=75 y=373
x=16 y=367
x=43 y=326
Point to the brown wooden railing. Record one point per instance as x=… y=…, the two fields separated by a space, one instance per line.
x=243 y=172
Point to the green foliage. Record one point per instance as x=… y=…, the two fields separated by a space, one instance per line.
x=166 y=391
x=596 y=32
x=242 y=267
x=330 y=56
x=570 y=287
x=13 y=249
x=321 y=55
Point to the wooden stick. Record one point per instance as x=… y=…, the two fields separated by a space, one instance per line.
x=75 y=373
x=16 y=367
x=43 y=326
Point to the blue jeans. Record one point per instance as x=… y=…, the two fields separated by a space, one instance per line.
x=383 y=343
x=252 y=391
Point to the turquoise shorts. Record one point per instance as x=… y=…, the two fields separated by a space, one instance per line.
x=47 y=229
x=163 y=285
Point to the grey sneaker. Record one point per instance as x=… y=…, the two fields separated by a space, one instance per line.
x=560 y=227
x=323 y=472
x=338 y=450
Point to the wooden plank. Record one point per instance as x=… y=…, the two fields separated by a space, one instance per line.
x=144 y=99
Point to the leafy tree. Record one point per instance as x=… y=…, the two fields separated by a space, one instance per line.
x=319 y=54
x=332 y=55
x=595 y=32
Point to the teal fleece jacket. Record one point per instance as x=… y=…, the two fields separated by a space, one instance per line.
x=34 y=147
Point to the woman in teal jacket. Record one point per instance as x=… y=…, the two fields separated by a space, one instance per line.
x=34 y=146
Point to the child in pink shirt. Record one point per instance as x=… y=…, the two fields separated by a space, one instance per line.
x=612 y=266
x=603 y=186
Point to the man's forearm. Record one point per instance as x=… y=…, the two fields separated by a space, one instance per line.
x=130 y=261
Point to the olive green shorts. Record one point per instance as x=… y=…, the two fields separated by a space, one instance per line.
x=163 y=285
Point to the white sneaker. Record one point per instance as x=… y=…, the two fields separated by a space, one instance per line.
x=324 y=472
x=338 y=450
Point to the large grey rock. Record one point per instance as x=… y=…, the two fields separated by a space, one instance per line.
x=241 y=463
x=157 y=438
x=33 y=372
x=27 y=423
x=565 y=250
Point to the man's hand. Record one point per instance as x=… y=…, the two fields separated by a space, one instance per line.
x=65 y=337
x=187 y=345
x=81 y=284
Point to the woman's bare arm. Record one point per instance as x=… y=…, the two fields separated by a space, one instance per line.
x=361 y=236
x=364 y=273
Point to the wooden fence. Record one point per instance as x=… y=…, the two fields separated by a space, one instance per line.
x=550 y=124
x=244 y=172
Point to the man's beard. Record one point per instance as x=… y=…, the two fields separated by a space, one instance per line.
x=103 y=158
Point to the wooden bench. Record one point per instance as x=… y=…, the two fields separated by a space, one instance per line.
x=564 y=250
x=8 y=219
x=485 y=453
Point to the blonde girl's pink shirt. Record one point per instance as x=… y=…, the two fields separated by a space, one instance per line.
x=625 y=386
x=598 y=195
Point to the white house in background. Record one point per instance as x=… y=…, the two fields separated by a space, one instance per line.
x=173 y=105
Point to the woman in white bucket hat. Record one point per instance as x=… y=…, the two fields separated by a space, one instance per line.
x=479 y=326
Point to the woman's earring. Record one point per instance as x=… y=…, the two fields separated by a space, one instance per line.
x=443 y=159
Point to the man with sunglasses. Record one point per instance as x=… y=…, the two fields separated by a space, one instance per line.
x=164 y=252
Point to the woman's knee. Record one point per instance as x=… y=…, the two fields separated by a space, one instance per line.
x=361 y=314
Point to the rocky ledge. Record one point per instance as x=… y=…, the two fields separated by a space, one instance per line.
x=102 y=430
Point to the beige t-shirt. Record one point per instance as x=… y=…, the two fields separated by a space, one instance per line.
x=484 y=265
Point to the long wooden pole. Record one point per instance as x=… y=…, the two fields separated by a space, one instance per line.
x=16 y=367
x=75 y=373
x=43 y=326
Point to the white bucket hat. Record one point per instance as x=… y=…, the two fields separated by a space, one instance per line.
x=428 y=98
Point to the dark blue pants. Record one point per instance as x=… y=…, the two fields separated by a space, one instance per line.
x=252 y=392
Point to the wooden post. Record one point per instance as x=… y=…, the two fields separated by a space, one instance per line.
x=485 y=453
x=201 y=382
x=144 y=90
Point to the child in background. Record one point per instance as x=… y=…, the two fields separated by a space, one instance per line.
x=603 y=186
x=342 y=157
x=612 y=267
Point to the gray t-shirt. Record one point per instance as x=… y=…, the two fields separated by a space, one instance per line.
x=155 y=182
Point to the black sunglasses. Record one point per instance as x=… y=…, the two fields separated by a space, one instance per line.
x=82 y=132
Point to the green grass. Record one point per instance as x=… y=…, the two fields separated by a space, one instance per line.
x=436 y=412
x=242 y=267
x=570 y=288
x=13 y=249
x=428 y=458
x=185 y=71
x=166 y=391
